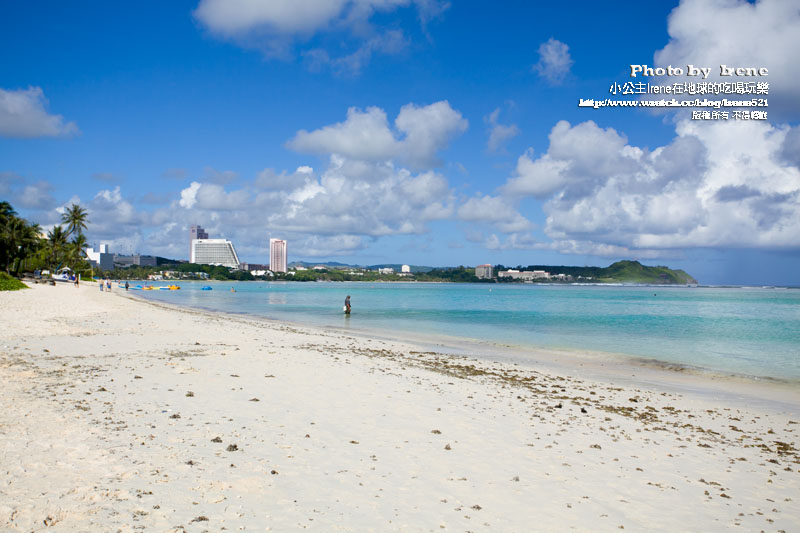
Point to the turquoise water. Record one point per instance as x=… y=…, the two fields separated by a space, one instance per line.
x=750 y=331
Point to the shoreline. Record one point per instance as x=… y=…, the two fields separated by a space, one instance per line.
x=603 y=365
x=122 y=413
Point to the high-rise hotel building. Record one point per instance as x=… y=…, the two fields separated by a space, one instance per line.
x=196 y=232
x=214 y=252
x=277 y=255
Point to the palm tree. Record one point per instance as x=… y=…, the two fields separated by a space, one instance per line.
x=18 y=241
x=6 y=211
x=57 y=241
x=75 y=251
x=25 y=241
x=7 y=247
x=76 y=219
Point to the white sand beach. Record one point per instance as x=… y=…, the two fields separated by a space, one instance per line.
x=119 y=415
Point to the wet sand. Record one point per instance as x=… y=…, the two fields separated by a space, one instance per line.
x=117 y=414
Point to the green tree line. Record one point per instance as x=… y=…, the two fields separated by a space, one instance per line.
x=23 y=247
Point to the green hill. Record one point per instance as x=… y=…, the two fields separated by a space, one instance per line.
x=635 y=272
x=623 y=272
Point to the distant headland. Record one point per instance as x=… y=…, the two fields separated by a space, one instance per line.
x=619 y=272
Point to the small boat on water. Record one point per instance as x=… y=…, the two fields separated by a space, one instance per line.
x=206 y=288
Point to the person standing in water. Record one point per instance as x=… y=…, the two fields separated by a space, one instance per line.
x=347 y=305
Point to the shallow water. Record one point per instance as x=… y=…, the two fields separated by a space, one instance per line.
x=748 y=331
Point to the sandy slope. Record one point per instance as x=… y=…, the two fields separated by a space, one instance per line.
x=117 y=414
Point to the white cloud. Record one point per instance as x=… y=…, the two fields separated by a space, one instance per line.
x=723 y=184
x=275 y=26
x=356 y=199
x=212 y=196
x=388 y=201
x=493 y=210
x=428 y=130
x=23 y=114
x=499 y=133
x=554 y=61
x=189 y=195
x=579 y=155
x=366 y=135
x=235 y=17
x=738 y=33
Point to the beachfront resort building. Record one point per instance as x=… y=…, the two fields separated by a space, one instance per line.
x=525 y=275
x=196 y=232
x=214 y=252
x=100 y=258
x=277 y=255
x=483 y=272
x=125 y=261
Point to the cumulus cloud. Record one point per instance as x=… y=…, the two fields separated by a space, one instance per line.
x=493 y=210
x=235 y=17
x=23 y=114
x=189 y=195
x=499 y=133
x=743 y=34
x=276 y=26
x=554 y=61
x=339 y=210
x=363 y=135
x=722 y=184
x=420 y=132
x=390 y=201
x=213 y=196
x=579 y=155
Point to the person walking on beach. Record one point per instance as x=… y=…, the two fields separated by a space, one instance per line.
x=108 y=285
x=126 y=285
x=347 y=305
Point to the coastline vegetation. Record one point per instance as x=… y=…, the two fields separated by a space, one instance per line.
x=24 y=247
x=619 y=272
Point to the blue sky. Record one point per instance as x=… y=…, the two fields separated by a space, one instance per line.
x=404 y=131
